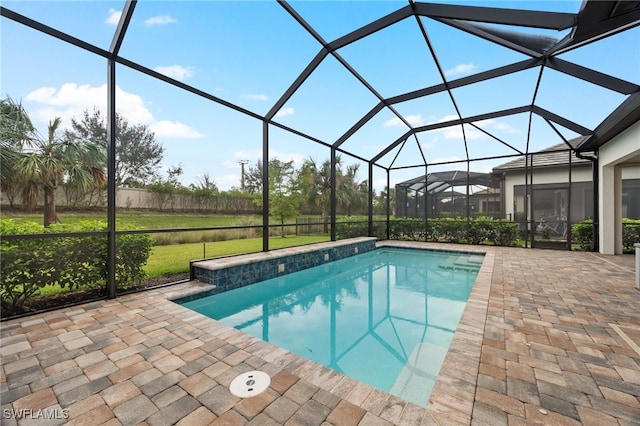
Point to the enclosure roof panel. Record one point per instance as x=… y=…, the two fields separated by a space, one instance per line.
x=399 y=84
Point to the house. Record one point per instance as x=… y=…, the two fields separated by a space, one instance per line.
x=557 y=175
x=553 y=189
x=443 y=194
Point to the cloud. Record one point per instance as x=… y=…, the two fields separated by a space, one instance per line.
x=414 y=120
x=451 y=159
x=429 y=144
x=455 y=131
x=114 y=17
x=460 y=69
x=284 y=112
x=246 y=155
x=159 y=20
x=177 y=72
x=174 y=129
x=71 y=100
x=505 y=127
x=255 y=97
x=296 y=157
x=225 y=182
x=254 y=156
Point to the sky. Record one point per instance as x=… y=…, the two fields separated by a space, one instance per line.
x=249 y=52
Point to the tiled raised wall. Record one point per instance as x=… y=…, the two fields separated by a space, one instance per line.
x=237 y=271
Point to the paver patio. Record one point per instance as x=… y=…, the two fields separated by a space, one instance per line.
x=547 y=337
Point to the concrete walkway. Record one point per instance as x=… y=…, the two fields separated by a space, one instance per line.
x=547 y=337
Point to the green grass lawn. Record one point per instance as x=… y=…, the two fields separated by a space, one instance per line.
x=174 y=259
x=143 y=219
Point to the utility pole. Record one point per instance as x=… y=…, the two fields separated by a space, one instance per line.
x=242 y=163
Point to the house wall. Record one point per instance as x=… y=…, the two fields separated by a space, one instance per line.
x=612 y=158
x=540 y=177
x=581 y=205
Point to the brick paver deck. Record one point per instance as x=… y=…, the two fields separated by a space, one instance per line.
x=546 y=338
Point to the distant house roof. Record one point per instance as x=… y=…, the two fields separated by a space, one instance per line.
x=552 y=156
x=438 y=182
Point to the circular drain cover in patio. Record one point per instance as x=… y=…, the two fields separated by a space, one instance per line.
x=250 y=384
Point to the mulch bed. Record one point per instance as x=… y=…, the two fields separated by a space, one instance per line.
x=70 y=298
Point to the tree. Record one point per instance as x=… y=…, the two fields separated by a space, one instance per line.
x=164 y=190
x=315 y=185
x=16 y=129
x=253 y=178
x=351 y=194
x=380 y=202
x=205 y=182
x=204 y=191
x=284 y=200
x=138 y=154
x=37 y=162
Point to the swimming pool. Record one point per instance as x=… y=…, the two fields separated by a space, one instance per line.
x=385 y=317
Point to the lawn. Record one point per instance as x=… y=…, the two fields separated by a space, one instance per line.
x=174 y=259
x=142 y=219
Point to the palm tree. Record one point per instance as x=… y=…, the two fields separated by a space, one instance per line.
x=352 y=195
x=38 y=162
x=15 y=130
x=315 y=185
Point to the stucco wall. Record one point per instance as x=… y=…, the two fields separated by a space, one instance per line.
x=612 y=157
x=540 y=177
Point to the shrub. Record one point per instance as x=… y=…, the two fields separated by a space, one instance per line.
x=582 y=234
x=351 y=228
x=478 y=231
x=505 y=232
x=73 y=262
x=630 y=234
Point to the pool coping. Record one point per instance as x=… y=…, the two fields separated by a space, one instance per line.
x=233 y=272
x=453 y=393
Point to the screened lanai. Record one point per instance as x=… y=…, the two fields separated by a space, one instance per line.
x=142 y=140
x=374 y=93
x=476 y=193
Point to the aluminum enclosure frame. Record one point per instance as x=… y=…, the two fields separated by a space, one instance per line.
x=595 y=20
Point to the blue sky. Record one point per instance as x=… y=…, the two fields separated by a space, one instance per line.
x=250 y=52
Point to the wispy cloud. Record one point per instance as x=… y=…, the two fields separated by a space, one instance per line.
x=174 y=129
x=450 y=159
x=254 y=156
x=177 y=72
x=460 y=69
x=160 y=20
x=114 y=17
x=505 y=127
x=284 y=112
x=255 y=96
x=414 y=120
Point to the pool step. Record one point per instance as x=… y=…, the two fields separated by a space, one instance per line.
x=419 y=374
x=467 y=262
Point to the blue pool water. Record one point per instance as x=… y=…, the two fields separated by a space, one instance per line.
x=385 y=317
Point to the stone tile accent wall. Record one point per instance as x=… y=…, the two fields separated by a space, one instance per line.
x=238 y=271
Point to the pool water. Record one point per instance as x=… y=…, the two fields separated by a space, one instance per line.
x=384 y=317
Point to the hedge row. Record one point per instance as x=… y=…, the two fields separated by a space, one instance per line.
x=27 y=265
x=456 y=230
x=582 y=234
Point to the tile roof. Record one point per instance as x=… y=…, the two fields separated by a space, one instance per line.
x=552 y=156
